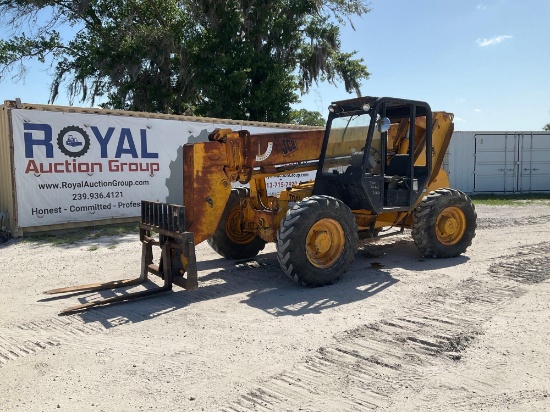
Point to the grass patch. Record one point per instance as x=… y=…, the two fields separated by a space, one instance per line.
x=511 y=200
x=83 y=234
x=93 y=247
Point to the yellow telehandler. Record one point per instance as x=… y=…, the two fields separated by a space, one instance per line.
x=378 y=166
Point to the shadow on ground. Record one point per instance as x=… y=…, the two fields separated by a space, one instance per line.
x=267 y=288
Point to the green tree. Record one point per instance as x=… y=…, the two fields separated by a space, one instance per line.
x=546 y=128
x=307 y=117
x=233 y=58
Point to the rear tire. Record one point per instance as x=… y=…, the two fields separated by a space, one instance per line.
x=229 y=241
x=444 y=223
x=317 y=241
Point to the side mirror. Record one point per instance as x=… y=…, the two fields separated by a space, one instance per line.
x=383 y=124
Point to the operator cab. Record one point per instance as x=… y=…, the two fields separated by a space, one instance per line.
x=376 y=153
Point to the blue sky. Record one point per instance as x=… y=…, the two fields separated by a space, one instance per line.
x=488 y=62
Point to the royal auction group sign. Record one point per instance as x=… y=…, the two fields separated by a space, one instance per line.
x=72 y=167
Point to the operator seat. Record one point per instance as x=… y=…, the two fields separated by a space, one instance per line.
x=400 y=165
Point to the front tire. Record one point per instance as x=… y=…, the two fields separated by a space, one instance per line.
x=229 y=240
x=317 y=241
x=444 y=224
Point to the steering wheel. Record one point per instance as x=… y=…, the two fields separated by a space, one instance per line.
x=374 y=160
x=376 y=155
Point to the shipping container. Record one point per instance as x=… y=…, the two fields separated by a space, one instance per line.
x=499 y=162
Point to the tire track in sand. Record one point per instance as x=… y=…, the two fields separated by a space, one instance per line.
x=19 y=340
x=527 y=264
x=368 y=365
x=24 y=339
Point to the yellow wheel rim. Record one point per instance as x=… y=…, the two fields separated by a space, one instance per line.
x=233 y=228
x=450 y=226
x=324 y=243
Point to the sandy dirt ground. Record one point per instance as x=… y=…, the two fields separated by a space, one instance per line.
x=398 y=333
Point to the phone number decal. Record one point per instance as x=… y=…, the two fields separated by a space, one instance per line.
x=97 y=195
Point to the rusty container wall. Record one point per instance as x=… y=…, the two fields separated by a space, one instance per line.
x=74 y=109
x=8 y=197
x=6 y=171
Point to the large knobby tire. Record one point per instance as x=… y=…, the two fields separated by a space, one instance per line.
x=444 y=223
x=229 y=241
x=317 y=241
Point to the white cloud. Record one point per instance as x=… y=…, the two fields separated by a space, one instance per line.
x=481 y=7
x=492 y=41
x=459 y=120
x=477 y=110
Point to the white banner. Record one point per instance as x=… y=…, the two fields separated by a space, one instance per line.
x=73 y=167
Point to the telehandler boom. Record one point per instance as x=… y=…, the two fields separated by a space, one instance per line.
x=378 y=166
